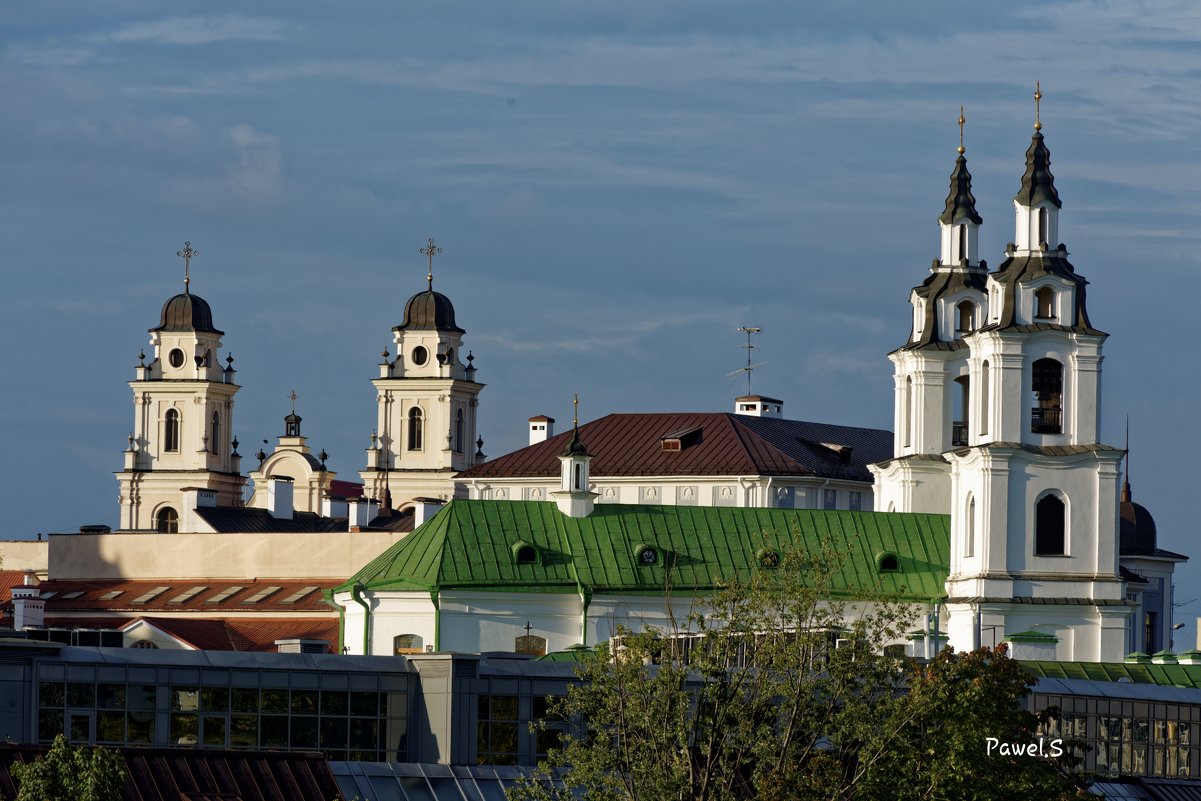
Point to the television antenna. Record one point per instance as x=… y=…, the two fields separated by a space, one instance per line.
x=748 y=347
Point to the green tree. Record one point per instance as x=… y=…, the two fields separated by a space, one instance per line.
x=70 y=774
x=779 y=691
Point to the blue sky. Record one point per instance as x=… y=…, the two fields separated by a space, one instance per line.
x=616 y=186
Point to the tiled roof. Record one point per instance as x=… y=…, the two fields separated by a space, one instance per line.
x=473 y=545
x=624 y=445
x=217 y=596
x=217 y=634
x=183 y=774
x=1162 y=675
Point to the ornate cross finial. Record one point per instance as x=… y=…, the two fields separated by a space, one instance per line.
x=293 y=397
x=962 y=120
x=187 y=253
x=528 y=628
x=1038 y=97
x=575 y=410
x=430 y=250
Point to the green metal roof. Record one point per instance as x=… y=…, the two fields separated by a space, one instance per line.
x=469 y=545
x=1162 y=675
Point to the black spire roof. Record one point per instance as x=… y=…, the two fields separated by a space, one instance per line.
x=1038 y=184
x=186 y=312
x=961 y=203
x=429 y=311
x=575 y=447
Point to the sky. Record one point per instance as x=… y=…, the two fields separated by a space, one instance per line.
x=617 y=188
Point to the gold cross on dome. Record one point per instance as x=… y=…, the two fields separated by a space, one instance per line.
x=430 y=250
x=187 y=253
x=1038 y=97
x=962 y=120
x=294 y=397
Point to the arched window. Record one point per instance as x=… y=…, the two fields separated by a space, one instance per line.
x=969 y=528
x=459 y=431
x=1044 y=303
x=966 y=314
x=962 y=242
x=166 y=521
x=1047 y=384
x=416 y=429
x=215 y=439
x=406 y=644
x=579 y=474
x=907 y=412
x=171 y=431
x=889 y=564
x=984 y=397
x=962 y=401
x=1042 y=227
x=1049 y=526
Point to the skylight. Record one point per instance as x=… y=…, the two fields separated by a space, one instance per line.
x=223 y=595
x=187 y=595
x=149 y=596
x=296 y=596
x=71 y=596
x=108 y=596
x=260 y=595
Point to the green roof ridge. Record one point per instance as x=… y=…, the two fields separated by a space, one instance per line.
x=1031 y=636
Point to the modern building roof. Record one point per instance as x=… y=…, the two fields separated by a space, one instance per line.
x=1136 y=673
x=186 y=312
x=529 y=546
x=250 y=519
x=629 y=445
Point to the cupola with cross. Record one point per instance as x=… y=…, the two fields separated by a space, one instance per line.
x=293 y=460
x=183 y=417
x=574 y=498
x=427 y=401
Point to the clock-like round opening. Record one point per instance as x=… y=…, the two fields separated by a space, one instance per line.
x=420 y=355
x=176 y=357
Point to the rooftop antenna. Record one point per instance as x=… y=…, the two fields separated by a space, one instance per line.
x=749 y=346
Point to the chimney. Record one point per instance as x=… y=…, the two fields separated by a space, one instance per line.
x=29 y=609
x=279 y=497
x=362 y=512
x=334 y=507
x=759 y=406
x=425 y=508
x=542 y=428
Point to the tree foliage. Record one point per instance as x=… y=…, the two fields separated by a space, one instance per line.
x=70 y=774
x=774 y=691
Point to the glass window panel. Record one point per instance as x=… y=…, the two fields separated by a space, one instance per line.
x=396 y=742
x=364 y=704
x=184 y=728
x=51 y=693
x=364 y=734
x=503 y=739
x=304 y=732
x=50 y=724
x=273 y=731
x=141 y=696
x=481 y=707
x=481 y=742
x=334 y=702
x=245 y=700
x=275 y=701
x=214 y=699
x=185 y=699
x=333 y=733
x=398 y=705
x=504 y=707
x=139 y=728
x=80 y=728
x=243 y=731
x=1140 y=731
x=416 y=789
x=304 y=702
x=110 y=696
x=81 y=694
x=213 y=730
x=110 y=727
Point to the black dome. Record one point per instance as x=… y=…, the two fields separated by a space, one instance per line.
x=186 y=312
x=429 y=311
x=1137 y=527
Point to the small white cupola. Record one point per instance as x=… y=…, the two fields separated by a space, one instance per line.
x=542 y=428
x=573 y=498
x=959 y=224
x=759 y=406
x=1036 y=205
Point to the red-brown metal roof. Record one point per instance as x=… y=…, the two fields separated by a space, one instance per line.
x=211 y=596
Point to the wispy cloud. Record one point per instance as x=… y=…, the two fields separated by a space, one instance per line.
x=47 y=56
x=198 y=30
x=257 y=169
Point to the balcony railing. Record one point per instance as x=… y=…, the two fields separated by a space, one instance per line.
x=1046 y=420
x=958 y=434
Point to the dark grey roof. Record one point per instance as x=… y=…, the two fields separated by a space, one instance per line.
x=429 y=311
x=186 y=312
x=236 y=519
x=1137 y=526
x=1016 y=270
x=939 y=283
x=1038 y=184
x=1045 y=450
x=914 y=457
x=961 y=203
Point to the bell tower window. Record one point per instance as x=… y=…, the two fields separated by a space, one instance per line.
x=907 y=412
x=963 y=242
x=1047 y=383
x=1044 y=303
x=171 y=431
x=166 y=521
x=969 y=529
x=215 y=439
x=416 y=429
x=459 y=431
x=966 y=314
x=1042 y=227
x=959 y=427
x=984 y=397
x=1049 y=526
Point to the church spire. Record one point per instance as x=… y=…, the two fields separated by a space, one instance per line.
x=1038 y=184
x=959 y=221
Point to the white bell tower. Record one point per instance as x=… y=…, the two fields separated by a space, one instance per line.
x=183 y=418
x=427 y=402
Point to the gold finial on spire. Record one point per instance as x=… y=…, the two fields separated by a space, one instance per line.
x=293 y=397
x=430 y=250
x=575 y=410
x=186 y=254
x=962 y=120
x=1038 y=96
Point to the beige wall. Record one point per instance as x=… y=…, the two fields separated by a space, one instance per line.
x=239 y=556
x=24 y=555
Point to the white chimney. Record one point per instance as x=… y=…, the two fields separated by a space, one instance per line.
x=279 y=497
x=29 y=609
x=362 y=512
x=759 y=406
x=334 y=507
x=542 y=428
x=425 y=508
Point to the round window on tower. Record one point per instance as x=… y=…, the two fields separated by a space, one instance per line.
x=176 y=357
x=420 y=355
